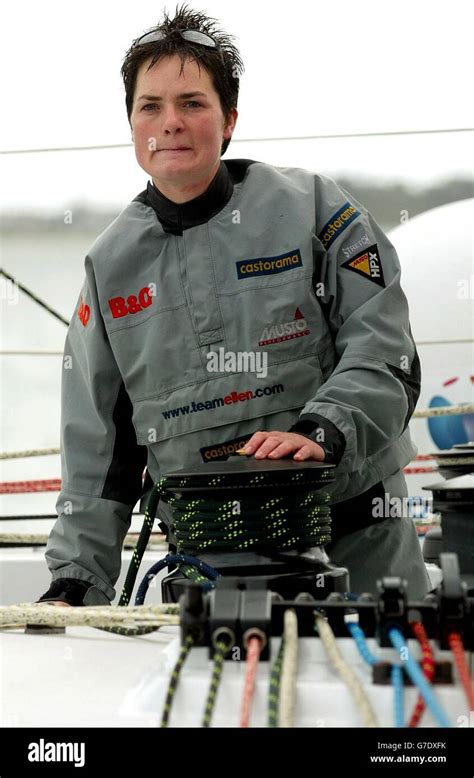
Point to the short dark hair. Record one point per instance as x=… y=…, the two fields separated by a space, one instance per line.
x=223 y=63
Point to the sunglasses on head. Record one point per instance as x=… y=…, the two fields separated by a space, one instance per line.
x=194 y=36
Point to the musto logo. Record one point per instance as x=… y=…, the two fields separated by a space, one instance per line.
x=219 y=402
x=133 y=304
x=288 y=330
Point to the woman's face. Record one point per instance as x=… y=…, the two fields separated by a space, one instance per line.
x=178 y=126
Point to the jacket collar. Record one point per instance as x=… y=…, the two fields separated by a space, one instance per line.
x=176 y=217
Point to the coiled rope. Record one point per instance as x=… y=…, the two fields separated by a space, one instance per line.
x=257 y=506
x=264 y=523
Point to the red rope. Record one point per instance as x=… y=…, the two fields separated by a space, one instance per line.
x=457 y=647
x=254 y=648
x=427 y=665
x=419 y=470
x=22 y=487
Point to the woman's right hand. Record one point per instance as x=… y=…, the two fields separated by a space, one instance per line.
x=57 y=602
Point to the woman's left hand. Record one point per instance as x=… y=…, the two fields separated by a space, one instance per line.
x=278 y=445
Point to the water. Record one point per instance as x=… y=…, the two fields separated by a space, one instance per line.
x=52 y=266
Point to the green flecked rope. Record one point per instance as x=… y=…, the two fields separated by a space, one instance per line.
x=267 y=521
x=262 y=512
x=185 y=649
x=142 y=542
x=129 y=632
x=222 y=648
x=274 y=689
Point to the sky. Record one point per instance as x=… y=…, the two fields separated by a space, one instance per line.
x=310 y=69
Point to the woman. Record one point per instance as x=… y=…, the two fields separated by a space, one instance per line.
x=230 y=258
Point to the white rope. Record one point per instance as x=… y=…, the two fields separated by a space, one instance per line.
x=345 y=672
x=33 y=452
x=38 y=352
x=444 y=410
x=453 y=461
x=156 y=541
x=443 y=342
x=288 y=670
x=426 y=413
x=389 y=133
x=88 y=616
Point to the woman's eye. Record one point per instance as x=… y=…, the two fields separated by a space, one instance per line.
x=193 y=103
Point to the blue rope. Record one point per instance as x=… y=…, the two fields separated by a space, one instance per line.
x=415 y=672
x=178 y=559
x=396 y=676
x=359 y=637
x=351 y=597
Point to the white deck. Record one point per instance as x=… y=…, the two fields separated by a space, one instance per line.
x=86 y=677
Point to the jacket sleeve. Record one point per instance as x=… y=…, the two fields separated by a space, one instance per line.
x=101 y=462
x=369 y=396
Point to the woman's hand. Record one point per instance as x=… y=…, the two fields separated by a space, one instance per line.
x=278 y=445
x=56 y=602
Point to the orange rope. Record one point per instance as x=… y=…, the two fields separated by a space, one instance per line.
x=427 y=665
x=254 y=648
x=457 y=647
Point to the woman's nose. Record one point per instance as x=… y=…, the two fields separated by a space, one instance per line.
x=171 y=118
